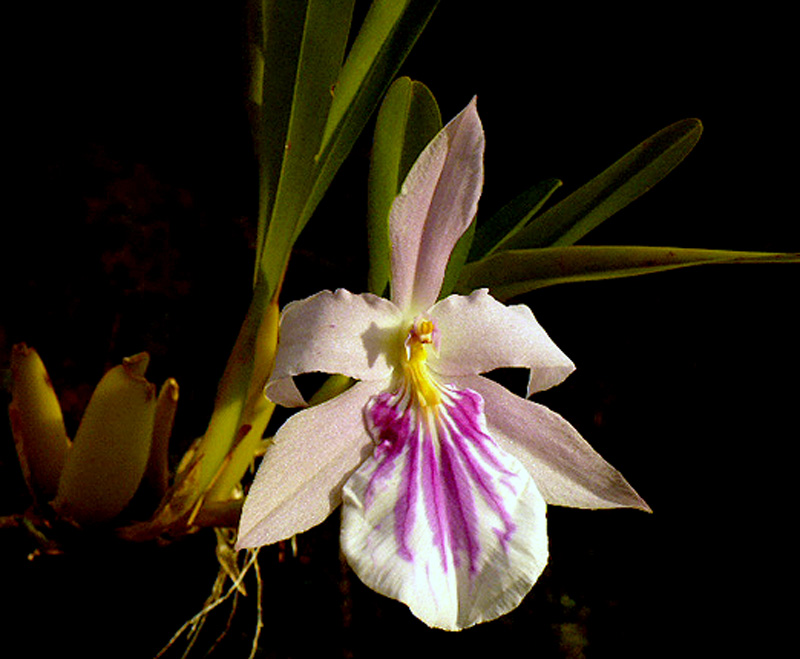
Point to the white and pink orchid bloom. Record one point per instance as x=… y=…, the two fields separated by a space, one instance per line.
x=443 y=474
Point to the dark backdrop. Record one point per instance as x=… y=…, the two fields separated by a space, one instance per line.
x=128 y=225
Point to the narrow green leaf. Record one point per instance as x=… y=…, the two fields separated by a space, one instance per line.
x=327 y=23
x=511 y=218
x=408 y=119
x=386 y=37
x=513 y=272
x=628 y=178
x=376 y=35
x=274 y=36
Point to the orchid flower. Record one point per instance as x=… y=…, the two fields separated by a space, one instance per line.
x=444 y=475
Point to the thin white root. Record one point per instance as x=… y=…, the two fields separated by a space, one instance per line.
x=218 y=597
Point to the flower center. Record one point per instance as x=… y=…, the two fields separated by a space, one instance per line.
x=421 y=336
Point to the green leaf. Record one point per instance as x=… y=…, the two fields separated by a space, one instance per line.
x=408 y=119
x=389 y=31
x=628 y=178
x=327 y=23
x=511 y=218
x=331 y=104
x=274 y=37
x=511 y=273
x=479 y=241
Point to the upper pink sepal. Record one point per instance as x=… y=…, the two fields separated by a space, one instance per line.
x=437 y=202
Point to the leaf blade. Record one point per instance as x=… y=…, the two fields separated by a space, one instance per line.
x=613 y=189
x=274 y=31
x=325 y=31
x=514 y=272
x=511 y=218
x=392 y=28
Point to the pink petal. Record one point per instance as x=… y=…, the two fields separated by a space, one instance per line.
x=300 y=479
x=440 y=517
x=333 y=333
x=479 y=334
x=565 y=468
x=437 y=202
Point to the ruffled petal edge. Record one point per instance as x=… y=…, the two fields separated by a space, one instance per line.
x=479 y=334
x=334 y=332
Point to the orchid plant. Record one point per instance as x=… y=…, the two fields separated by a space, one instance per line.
x=443 y=475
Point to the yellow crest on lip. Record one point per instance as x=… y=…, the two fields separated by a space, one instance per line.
x=423 y=333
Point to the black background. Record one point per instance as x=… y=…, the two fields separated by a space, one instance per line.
x=128 y=226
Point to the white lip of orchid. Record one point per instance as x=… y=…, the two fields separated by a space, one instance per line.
x=439 y=509
x=436 y=505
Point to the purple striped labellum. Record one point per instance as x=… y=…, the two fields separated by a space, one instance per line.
x=437 y=480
